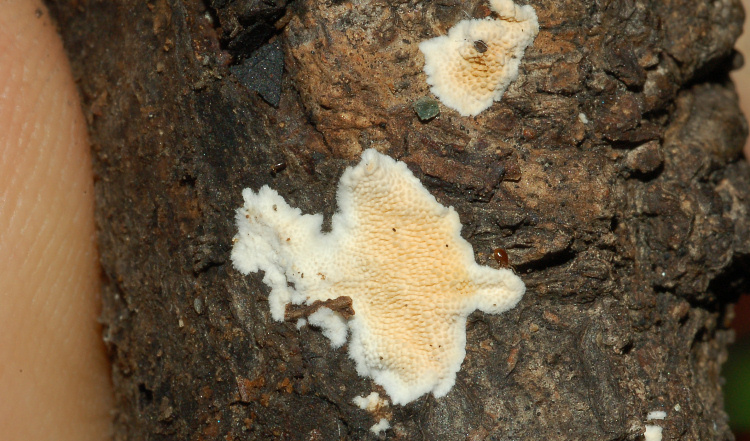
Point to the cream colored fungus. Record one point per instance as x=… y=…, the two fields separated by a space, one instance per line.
x=398 y=254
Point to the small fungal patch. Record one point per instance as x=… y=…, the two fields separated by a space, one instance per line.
x=653 y=432
x=396 y=254
x=656 y=415
x=370 y=403
x=474 y=64
x=380 y=427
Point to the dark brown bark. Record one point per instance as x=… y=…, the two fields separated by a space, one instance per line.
x=611 y=172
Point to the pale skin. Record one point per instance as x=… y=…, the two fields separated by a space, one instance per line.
x=54 y=373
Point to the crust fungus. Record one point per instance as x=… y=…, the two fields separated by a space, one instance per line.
x=397 y=253
x=653 y=432
x=380 y=427
x=371 y=402
x=472 y=66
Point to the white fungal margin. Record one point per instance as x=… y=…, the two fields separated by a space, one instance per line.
x=333 y=325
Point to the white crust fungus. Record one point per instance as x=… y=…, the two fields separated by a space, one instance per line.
x=333 y=325
x=471 y=67
x=371 y=402
x=652 y=433
x=381 y=426
x=397 y=253
x=656 y=415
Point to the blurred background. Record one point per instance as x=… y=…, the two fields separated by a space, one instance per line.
x=737 y=369
x=737 y=372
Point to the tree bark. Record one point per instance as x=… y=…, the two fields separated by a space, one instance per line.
x=610 y=171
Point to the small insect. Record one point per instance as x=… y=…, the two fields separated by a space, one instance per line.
x=501 y=256
x=480 y=46
x=278 y=168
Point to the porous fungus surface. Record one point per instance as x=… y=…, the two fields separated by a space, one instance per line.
x=474 y=64
x=397 y=253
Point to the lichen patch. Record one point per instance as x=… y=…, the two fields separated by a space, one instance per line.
x=397 y=254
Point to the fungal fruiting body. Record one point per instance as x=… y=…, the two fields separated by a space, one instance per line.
x=371 y=402
x=397 y=253
x=474 y=64
x=653 y=432
x=656 y=415
x=380 y=427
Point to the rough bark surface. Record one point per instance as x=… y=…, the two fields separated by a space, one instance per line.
x=611 y=172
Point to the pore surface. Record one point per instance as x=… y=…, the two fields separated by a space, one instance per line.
x=474 y=64
x=398 y=254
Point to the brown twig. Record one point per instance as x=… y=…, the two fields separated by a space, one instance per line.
x=341 y=305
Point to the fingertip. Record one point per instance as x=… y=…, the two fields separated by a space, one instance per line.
x=54 y=379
